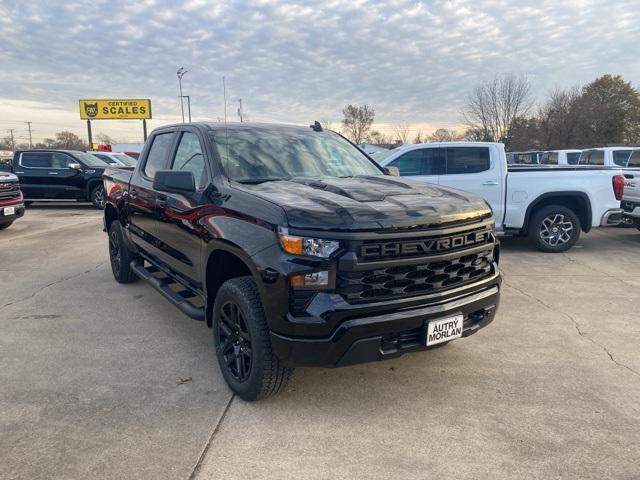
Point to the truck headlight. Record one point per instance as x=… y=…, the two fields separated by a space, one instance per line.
x=316 y=247
x=310 y=281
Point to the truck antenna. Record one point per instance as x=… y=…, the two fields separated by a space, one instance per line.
x=226 y=130
x=315 y=126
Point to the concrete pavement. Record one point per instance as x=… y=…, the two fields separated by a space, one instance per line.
x=101 y=380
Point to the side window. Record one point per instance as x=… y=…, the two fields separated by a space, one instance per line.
x=189 y=157
x=461 y=160
x=573 y=158
x=409 y=164
x=594 y=157
x=61 y=160
x=634 y=159
x=620 y=157
x=549 y=158
x=36 y=159
x=102 y=156
x=158 y=154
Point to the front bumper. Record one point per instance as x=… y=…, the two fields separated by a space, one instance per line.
x=18 y=211
x=390 y=331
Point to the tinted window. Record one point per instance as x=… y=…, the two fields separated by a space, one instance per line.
x=592 y=157
x=158 y=154
x=409 y=164
x=36 y=159
x=189 y=157
x=459 y=160
x=549 y=158
x=61 y=160
x=634 y=159
x=620 y=157
x=573 y=158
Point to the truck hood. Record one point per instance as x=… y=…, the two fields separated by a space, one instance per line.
x=7 y=177
x=367 y=203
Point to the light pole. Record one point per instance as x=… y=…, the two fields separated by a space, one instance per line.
x=180 y=73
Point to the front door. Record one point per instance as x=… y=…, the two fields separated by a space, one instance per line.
x=178 y=231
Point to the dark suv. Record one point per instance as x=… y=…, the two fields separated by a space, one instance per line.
x=298 y=249
x=60 y=175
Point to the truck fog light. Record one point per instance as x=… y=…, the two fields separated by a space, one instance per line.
x=315 y=280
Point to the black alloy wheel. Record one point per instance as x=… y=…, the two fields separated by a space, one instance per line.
x=235 y=341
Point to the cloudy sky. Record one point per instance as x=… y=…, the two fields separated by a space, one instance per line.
x=297 y=61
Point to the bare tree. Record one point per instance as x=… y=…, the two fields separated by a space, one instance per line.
x=104 y=138
x=377 y=138
x=418 y=138
x=64 y=140
x=492 y=106
x=445 y=135
x=401 y=132
x=357 y=121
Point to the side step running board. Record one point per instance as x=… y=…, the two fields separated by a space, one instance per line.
x=162 y=286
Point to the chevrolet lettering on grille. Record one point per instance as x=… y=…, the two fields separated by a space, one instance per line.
x=418 y=247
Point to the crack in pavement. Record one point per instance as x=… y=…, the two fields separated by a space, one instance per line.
x=198 y=465
x=576 y=324
x=61 y=280
x=595 y=270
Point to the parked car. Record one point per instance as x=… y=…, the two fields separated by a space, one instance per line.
x=524 y=158
x=549 y=205
x=11 y=201
x=116 y=158
x=60 y=176
x=298 y=249
x=560 y=157
x=606 y=156
x=631 y=197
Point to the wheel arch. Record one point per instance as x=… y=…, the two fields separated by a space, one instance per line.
x=225 y=261
x=91 y=184
x=578 y=202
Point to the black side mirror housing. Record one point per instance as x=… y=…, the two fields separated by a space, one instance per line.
x=174 y=181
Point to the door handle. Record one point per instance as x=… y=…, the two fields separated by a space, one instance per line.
x=133 y=193
x=491 y=183
x=53 y=173
x=161 y=203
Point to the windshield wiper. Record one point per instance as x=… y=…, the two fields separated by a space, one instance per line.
x=255 y=181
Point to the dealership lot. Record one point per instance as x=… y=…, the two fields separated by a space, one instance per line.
x=105 y=380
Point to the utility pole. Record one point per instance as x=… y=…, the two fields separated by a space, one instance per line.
x=13 y=142
x=30 y=139
x=240 y=112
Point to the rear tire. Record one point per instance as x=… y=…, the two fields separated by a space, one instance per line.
x=97 y=196
x=120 y=256
x=242 y=342
x=5 y=225
x=554 y=229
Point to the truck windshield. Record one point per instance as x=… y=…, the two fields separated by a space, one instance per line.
x=256 y=154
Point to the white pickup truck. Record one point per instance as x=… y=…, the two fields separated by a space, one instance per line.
x=631 y=197
x=549 y=205
x=560 y=157
x=606 y=156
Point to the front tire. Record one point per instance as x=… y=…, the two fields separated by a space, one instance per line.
x=554 y=229
x=5 y=225
x=97 y=197
x=242 y=342
x=120 y=256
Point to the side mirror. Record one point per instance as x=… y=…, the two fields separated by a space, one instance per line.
x=74 y=166
x=174 y=181
x=394 y=171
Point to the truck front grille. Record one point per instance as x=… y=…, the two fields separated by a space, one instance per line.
x=379 y=284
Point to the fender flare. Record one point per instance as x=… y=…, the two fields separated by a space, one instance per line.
x=565 y=193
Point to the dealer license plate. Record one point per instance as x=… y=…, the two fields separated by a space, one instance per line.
x=9 y=210
x=443 y=330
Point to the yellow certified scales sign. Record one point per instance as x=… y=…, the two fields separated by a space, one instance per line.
x=115 y=109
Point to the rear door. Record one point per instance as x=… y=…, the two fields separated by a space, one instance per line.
x=178 y=232
x=418 y=164
x=478 y=170
x=142 y=197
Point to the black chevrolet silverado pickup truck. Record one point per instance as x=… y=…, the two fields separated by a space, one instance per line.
x=298 y=249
